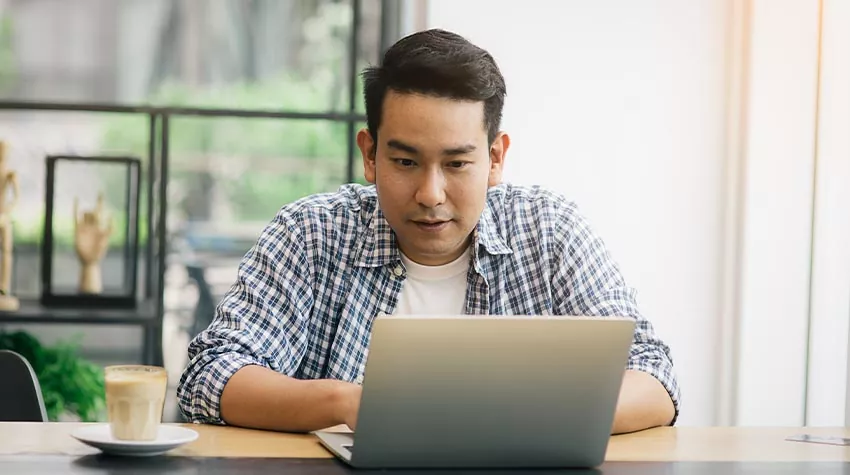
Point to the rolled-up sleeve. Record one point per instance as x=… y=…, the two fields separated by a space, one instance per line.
x=262 y=320
x=587 y=281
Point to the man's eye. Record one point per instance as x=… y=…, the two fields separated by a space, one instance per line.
x=405 y=162
x=458 y=164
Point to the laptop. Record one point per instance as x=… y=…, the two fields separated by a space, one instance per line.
x=487 y=392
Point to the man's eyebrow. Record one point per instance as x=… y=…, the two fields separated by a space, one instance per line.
x=460 y=150
x=453 y=151
x=392 y=143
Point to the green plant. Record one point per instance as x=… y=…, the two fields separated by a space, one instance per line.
x=69 y=384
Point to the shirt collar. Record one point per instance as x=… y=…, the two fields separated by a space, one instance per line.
x=380 y=246
x=487 y=234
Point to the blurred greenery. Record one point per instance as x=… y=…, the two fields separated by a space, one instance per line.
x=259 y=164
x=8 y=68
x=69 y=384
x=249 y=167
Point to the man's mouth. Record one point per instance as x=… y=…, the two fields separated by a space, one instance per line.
x=431 y=226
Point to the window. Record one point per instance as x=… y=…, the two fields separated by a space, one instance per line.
x=276 y=81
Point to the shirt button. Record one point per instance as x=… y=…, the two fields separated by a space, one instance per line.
x=398 y=271
x=382 y=314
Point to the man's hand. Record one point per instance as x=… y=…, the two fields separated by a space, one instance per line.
x=350 y=404
x=643 y=403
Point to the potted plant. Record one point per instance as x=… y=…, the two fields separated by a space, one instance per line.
x=71 y=386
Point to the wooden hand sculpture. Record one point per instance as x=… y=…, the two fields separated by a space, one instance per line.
x=91 y=240
x=8 y=183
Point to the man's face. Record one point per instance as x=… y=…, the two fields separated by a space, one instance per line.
x=432 y=167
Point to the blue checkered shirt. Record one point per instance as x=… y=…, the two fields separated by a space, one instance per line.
x=308 y=290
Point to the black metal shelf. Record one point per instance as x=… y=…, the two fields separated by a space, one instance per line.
x=31 y=311
x=149 y=314
x=334 y=116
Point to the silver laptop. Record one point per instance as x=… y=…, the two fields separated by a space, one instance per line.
x=487 y=392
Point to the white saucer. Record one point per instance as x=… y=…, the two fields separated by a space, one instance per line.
x=100 y=437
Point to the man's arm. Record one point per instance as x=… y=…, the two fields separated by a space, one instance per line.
x=240 y=368
x=260 y=398
x=586 y=281
x=643 y=403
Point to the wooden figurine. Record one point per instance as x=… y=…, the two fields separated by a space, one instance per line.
x=91 y=240
x=8 y=183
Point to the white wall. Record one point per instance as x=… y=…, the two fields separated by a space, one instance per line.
x=620 y=105
x=830 y=314
x=779 y=167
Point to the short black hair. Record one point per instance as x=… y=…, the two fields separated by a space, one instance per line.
x=438 y=63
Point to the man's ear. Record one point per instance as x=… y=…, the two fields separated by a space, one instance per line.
x=367 y=150
x=498 y=151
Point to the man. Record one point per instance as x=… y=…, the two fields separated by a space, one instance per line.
x=437 y=234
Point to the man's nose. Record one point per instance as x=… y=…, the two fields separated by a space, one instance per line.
x=432 y=189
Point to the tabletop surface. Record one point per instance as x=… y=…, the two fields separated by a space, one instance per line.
x=49 y=448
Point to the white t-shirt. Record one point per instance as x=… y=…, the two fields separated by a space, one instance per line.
x=434 y=290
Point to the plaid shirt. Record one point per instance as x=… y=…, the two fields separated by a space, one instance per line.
x=307 y=292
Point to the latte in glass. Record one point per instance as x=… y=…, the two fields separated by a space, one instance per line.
x=135 y=396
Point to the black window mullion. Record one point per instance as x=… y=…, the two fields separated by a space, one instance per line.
x=354 y=45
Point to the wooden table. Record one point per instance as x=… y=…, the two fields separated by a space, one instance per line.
x=30 y=442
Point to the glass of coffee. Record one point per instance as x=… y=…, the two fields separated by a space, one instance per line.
x=135 y=396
